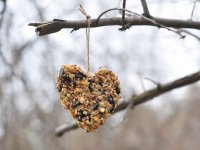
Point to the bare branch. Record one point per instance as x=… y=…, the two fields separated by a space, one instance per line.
x=123 y=13
x=143 y=97
x=191 y=34
x=65 y=128
x=192 y=13
x=154 y=82
x=146 y=18
x=2 y=11
x=145 y=8
x=57 y=25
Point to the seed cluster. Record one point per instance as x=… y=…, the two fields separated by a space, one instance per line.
x=90 y=99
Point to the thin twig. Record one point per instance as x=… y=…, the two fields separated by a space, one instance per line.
x=142 y=83
x=191 y=34
x=144 y=97
x=123 y=13
x=153 y=81
x=192 y=13
x=152 y=20
x=64 y=128
x=2 y=12
x=145 y=9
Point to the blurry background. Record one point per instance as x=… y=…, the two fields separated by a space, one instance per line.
x=29 y=105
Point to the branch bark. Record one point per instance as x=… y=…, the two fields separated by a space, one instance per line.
x=143 y=97
x=123 y=13
x=57 y=24
x=145 y=8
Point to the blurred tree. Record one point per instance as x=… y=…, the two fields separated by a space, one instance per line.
x=29 y=106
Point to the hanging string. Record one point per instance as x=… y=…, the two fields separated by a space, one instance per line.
x=88 y=45
x=87 y=36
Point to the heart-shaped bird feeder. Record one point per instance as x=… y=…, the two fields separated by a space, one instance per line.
x=89 y=98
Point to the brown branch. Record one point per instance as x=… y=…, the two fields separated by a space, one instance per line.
x=154 y=82
x=2 y=12
x=143 y=97
x=123 y=13
x=65 y=128
x=56 y=25
x=145 y=8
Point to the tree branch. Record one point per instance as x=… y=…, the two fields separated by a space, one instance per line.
x=191 y=34
x=192 y=13
x=146 y=18
x=123 y=13
x=145 y=8
x=56 y=25
x=143 y=97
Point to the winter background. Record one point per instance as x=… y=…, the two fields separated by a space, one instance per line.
x=29 y=104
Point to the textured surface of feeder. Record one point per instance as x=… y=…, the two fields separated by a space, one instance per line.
x=90 y=99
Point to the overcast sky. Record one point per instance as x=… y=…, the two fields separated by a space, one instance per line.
x=133 y=55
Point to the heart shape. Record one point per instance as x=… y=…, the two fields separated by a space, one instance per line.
x=90 y=99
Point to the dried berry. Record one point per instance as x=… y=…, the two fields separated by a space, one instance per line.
x=89 y=119
x=74 y=84
x=95 y=107
x=91 y=81
x=80 y=117
x=90 y=84
x=111 y=101
x=79 y=75
x=76 y=104
x=80 y=112
x=67 y=80
x=100 y=83
x=90 y=87
x=103 y=92
x=117 y=90
x=111 y=110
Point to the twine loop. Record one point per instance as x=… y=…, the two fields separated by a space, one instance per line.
x=87 y=36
